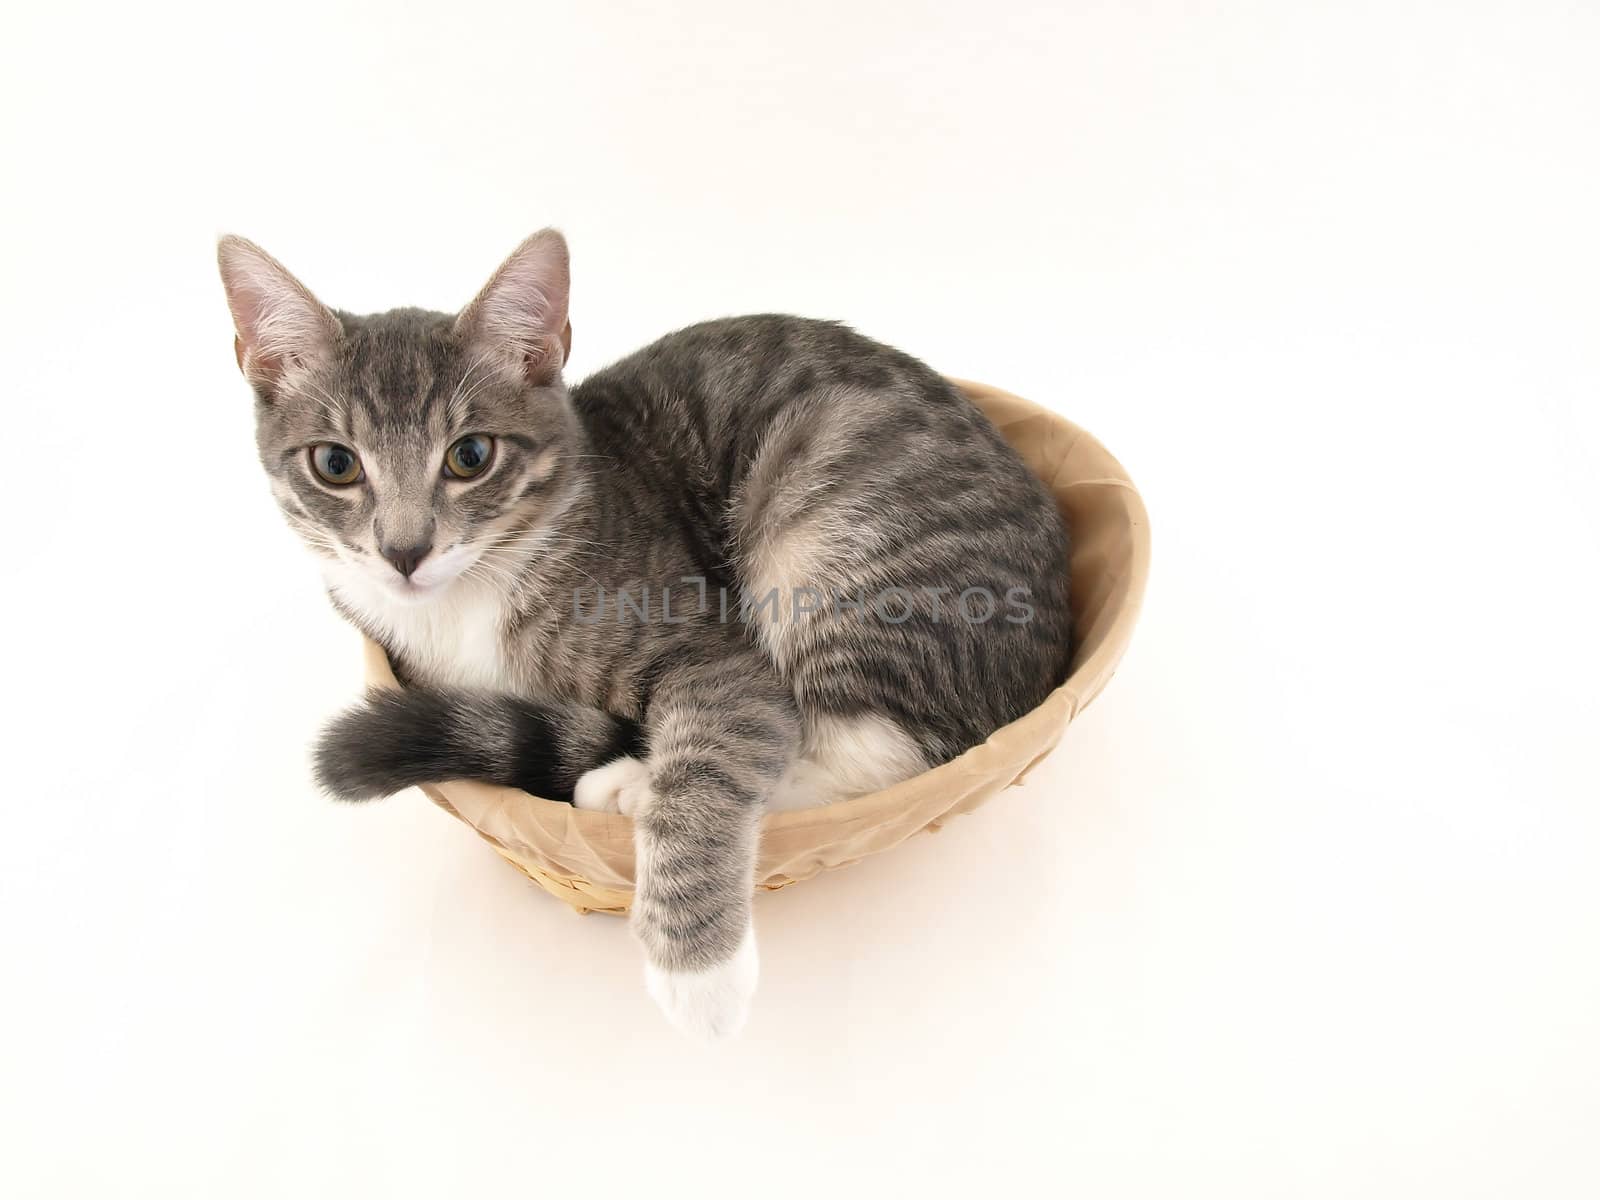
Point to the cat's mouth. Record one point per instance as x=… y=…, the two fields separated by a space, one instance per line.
x=432 y=579
x=415 y=591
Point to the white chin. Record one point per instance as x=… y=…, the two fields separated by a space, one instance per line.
x=411 y=591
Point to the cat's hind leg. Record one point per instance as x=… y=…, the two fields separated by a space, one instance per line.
x=843 y=757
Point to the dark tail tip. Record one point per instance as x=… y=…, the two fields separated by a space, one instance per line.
x=353 y=759
x=392 y=741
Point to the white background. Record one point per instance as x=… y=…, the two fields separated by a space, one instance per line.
x=1304 y=906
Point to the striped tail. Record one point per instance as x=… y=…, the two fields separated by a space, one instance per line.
x=398 y=739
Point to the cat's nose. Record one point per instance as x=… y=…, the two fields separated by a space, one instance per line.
x=406 y=559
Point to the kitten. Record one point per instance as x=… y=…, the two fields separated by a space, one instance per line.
x=764 y=562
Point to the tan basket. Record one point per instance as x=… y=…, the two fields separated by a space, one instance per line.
x=586 y=858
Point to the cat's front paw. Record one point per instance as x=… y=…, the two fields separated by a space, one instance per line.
x=711 y=1004
x=611 y=788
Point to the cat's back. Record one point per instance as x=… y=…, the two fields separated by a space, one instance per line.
x=715 y=390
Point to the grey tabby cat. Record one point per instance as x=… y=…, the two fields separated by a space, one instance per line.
x=550 y=570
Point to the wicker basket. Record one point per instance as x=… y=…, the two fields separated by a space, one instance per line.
x=586 y=858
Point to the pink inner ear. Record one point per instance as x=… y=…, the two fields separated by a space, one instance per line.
x=523 y=308
x=277 y=321
x=541 y=362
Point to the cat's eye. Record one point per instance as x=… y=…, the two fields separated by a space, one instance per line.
x=336 y=464
x=470 y=456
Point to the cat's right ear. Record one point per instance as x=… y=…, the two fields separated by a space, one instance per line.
x=278 y=322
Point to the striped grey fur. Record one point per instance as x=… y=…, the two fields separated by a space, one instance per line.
x=753 y=454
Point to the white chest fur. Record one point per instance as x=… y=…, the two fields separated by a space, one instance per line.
x=454 y=640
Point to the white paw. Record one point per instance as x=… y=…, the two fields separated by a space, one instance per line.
x=611 y=788
x=710 y=1004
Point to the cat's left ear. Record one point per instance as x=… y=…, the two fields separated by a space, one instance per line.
x=279 y=323
x=522 y=311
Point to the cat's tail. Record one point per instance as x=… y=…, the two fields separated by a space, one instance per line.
x=397 y=739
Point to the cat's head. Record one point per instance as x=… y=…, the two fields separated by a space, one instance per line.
x=409 y=448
